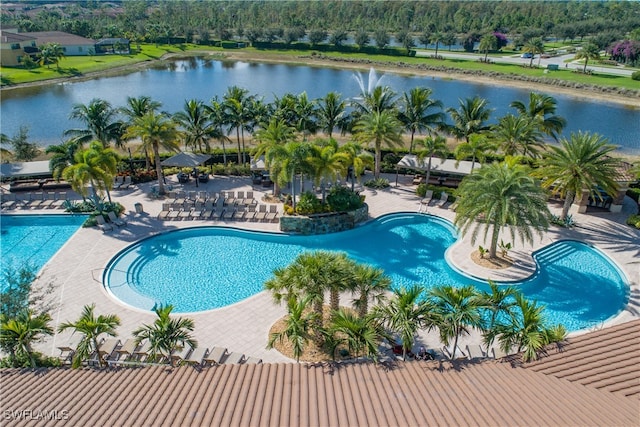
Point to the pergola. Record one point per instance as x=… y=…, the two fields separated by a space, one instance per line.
x=440 y=166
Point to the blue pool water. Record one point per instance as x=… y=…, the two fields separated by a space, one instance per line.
x=203 y=268
x=31 y=240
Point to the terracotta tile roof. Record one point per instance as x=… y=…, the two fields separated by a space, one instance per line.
x=608 y=359
x=412 y=393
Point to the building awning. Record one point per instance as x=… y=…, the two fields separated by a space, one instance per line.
x=25 y=169
x=258 y=164
x=448 y=166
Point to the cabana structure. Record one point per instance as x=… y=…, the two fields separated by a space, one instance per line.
x=444 y=170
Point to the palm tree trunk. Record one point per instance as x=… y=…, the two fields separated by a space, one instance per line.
x=411 y=143
x=567 y=204
x=364 y=305
x=242 y=133
x=494 y=241
x=293 y=190
x=238 y=138
x=378 y=160
x=156 y=155
x=317 y=323
x=455 y=345
x=334 y=296
x=428 y=170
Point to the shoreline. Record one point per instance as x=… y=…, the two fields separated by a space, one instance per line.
x=329 y=62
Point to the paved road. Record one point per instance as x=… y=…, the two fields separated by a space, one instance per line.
x=516 y=59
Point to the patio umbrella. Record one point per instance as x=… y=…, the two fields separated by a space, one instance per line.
x=186 y=160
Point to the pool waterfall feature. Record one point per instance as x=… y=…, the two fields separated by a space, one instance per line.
x=330 y=222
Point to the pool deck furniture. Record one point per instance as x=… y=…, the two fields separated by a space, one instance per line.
x=108 y=346
x=127 y=349
x=115 y=220
x=197 y=356
x=117 y=182
x=261 y=214
x=448 y=351
x=252 y=361
x=181 y=354
x=474 y=351
x=443 y=199
x=215 y=356
x=102 y=224
x=234 y=358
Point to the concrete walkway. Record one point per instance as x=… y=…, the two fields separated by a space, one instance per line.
x=76 y=270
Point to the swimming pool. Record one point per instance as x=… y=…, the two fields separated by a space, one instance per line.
x=31 y=240
x=202 y=268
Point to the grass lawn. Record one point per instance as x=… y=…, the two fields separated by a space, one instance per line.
x=79 y=65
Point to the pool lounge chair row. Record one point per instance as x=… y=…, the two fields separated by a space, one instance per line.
x=44 y=200
x=113 y=221
x=227 y=198
x=122 y=182
x=218 y=211
x=116 y=352
x=476 y=352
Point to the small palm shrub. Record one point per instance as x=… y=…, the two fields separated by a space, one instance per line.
x=309 y=204
x=568 y=222
x=634 y=221
x=342 y=199
x=378 y=183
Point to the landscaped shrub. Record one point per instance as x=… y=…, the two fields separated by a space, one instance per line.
x=634 y=221
x=421 y=191
x=309 y=204
x=634 y=193
x=635 y=75
x=342 y=199
x=378 y=183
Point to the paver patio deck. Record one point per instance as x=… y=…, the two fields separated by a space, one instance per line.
x=76 y=270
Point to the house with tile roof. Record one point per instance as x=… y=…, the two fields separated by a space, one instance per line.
x=71 y=44
x=14 y=46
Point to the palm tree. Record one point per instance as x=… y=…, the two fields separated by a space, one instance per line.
x=369 y=283
x=358 y=160
x=420 y=113
x=62 y=156
x=477 y=148
x=488 y=42
x=305 y=112
x=273 y=139
x=155 y=130
x=499 y=301
x=542 y=109
x=517 y=135
x=197 y=128
x=534 y=46
x=100 y=120
x=430 y=147
x=436 y=38
x=21 y=332
x=588 y=51
x=297 y=326
x=166 y=334
x=51 y=53
x=379 y=127
x=470 y=118
x=458 y=310
x=234 y=102
x=580 y=164
x=217 y=118
x=502 y=195
x=405 y=313
x=96 y=166
x=327 y=162
x=293 y=159
x=138 y=107
x=526 y=331
x=91 y=327
x=376 y=99
x=363 y=334
x=331 y=113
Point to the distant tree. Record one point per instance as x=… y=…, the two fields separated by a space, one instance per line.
x=476 y=148
x=362 y=38
x=419 y=112
x=535 y=46
x=449 y=39
x=338 y=37
x=381 y=38
x=469 y=118
x=589 y=51
x=21 y=149
x=488 y=43
x=51 y=53
x=331 y=113
x=317 y=36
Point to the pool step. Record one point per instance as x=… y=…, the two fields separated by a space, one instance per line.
x=554 y=252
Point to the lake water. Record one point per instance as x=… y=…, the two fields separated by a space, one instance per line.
x=45 y=110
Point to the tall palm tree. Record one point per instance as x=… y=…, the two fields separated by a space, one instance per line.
x=62 y=156
x=297 y=326
x=378 y=128
x=305 y=111
x=295 y=158
x=542 y=109
x=589 y=51
x=458 y=311
x=51 y=53
x=376 y=99
x=327 y=163
x=21 y=332
x=91 y=327
x=369 y=283
x=526 y=331
x=197 y=129
x=100 y=119
x=580 y=164
x=217 y=117
x=419 y=112
x=155 y=130
x=488 y=42
x=234 y=101
x=534 y=46
x=358 y=160
x=502 y=195
x=476 y=147
x=272 y=140
x=362 y=334
x=430 y=147
x=166 y=334
x=471 y=117
x=331 y=113
x=96 y=166
x=138 y=107
x=517 y=135
x=406 y=313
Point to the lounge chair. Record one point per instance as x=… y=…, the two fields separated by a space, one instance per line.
x=261 y=215
x=497 y=352
x=198 y=211
x=228 y=213
x=102 y=224
x=142 y=352
x=448 y=351
x=208 y=209
x=164 y=213
x=8 y=201
x=230 y=198
x=272 y=215
x=197 y=356
x=181 y=354
x=444 y=197
x=60 y=199
x=250 y=214
x=127 y=183
x=36 y=200
x=50 y=200
x=127 y=350
x=174 y=211
x=241 y=211
x=117 y=221
x=252 y=361
x=117 y=182
x=108 y=346
x=248 y=199
x=234 y=358
x=216 y=355
x=185 y=212
x=474 y=351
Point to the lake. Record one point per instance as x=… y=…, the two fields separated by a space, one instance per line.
x=45 y=109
